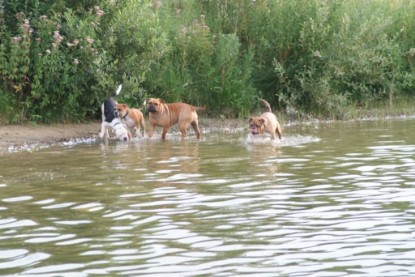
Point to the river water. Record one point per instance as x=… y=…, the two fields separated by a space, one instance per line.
x=332 y=199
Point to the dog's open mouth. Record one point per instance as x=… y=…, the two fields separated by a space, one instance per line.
x=254 y=130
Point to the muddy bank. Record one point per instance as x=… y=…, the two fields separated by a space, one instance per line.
x=15 y=137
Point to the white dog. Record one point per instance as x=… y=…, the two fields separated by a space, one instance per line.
x=110 y=120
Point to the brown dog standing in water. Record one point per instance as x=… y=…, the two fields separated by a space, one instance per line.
x=266 y=122
x=133 y=118
x=166 y=115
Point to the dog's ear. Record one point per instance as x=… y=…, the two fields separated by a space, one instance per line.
x=122 y=105
x=251 y=119
x=161 y=100
x=148 y=100
x=262 y=120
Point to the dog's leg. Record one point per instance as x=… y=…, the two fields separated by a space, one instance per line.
x=151 y=132
x=105 y=126
x=165 y=130
x=195 y=126
x=134 y=132
x=273 y=136
x=143 y=126
x=107 y=134
x=279 y=131
x=137 y=132
x=183 y=130
x=104 y=131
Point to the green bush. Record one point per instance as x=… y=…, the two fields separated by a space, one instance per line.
x=48 y=66
x=60 y=59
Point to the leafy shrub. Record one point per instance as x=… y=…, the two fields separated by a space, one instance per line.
x=60 y=59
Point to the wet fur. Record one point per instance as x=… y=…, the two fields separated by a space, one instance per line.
x=266 y=122
x=165 y=115
x=110 y=120
x=133 y=118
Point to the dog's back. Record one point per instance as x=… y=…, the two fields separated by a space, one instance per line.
x=272 y=123
x=109 y=110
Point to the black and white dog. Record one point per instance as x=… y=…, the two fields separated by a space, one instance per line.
x=111 y=120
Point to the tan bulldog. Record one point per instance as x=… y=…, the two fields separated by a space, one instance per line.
x=133 y=118
x=165 y=115
x=266 y=122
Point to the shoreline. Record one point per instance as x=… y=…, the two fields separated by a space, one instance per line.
x=27 y=137
x=15 y=138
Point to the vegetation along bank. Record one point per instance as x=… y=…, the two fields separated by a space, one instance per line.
x=332 y=58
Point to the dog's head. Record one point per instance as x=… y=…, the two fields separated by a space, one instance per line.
x=121 y=109
x=257 y=125
x=154 y=105
x=116 y=114
x=120 y=130
x=108 y=109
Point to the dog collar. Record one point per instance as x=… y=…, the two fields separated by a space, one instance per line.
x=125 y=115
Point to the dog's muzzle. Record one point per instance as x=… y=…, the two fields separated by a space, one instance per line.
x=254 y=130
x=152 y=109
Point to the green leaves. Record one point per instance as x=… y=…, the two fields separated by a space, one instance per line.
x=60 y=59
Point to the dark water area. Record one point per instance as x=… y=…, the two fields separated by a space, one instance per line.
x=333 y=199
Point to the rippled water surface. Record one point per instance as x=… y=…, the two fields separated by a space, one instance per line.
x=329 y=200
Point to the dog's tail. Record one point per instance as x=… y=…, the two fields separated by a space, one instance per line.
x=202 y=108
x=266 y=105
x=117 y=91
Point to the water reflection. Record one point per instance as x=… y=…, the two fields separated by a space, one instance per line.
x=329 y=200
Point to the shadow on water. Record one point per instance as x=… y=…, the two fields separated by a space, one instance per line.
x=328 y=200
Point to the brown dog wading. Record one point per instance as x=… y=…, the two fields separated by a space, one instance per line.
x=166 y=115
x=266 y=122
x=133 y=118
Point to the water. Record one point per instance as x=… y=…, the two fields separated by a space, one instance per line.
x=331 y=199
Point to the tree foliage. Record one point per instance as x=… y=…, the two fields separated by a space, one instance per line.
x=60 y=59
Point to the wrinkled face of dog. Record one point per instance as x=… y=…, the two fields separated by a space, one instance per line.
x=116 y=114
x=257 y=125
x=154 y=105
x=121 y=109
x=121 y=132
